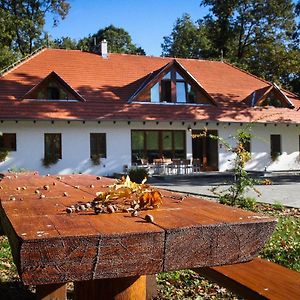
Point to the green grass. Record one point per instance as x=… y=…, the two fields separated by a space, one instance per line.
x=284 y=246
x=7 y=267
x=187 y=284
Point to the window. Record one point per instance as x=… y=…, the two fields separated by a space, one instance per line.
x=98 y=145
x=174 y=87
x=272 y=100
x=53 y=88
x=275 y=145
x=247 y=144
x=8 y=141
x=152 y=144
x=52 y=146
x=54 y=93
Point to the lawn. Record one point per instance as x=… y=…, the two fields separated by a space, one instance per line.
x=282 y=248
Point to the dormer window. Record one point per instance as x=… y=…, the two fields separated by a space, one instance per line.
x=172 y=84
x=273 y=96
x=53 y=91
x=272 y=100
x=53 y=88
x=172 y=88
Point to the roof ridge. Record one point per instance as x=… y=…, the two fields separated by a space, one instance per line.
x=21 y=61
x=163 y=57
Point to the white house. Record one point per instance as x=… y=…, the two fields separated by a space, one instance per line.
x=68 y=111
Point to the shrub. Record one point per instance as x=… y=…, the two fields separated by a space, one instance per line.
x=242 y=202
x=234 y=195
x=3 y=154
x=278 y=206
x=138 y=175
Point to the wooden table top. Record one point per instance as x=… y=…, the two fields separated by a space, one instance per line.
x=51 y=246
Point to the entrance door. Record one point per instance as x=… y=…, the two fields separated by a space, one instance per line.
x=205 y=150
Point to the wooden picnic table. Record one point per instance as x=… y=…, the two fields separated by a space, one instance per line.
x=108 y=254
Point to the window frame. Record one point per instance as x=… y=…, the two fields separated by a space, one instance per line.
x=53 y=153
x=160 y=151
x=247 y=144
x=99 y=147
x=6 y=143
x=275 y=145
x=173 y=80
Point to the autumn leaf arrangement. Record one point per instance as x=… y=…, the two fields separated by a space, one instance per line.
x=123 y=196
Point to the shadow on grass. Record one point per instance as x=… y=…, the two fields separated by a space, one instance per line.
x=13 y=290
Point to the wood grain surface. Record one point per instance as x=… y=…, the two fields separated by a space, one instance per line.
x=257 y=279
x=51 y=246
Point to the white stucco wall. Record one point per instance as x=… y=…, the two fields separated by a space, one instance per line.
x=76 y=145
x=260 y=147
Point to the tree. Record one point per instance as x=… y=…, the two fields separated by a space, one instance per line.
x=118 y=41
x=238 y=25
x=22 y=24
x=188 y=39
x=64 y=43
x=260 y=36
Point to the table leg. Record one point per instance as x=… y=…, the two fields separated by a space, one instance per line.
x=111 y=289
x=51 y=292
x=151 y=287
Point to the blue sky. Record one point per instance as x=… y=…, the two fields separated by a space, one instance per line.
x=146 y=21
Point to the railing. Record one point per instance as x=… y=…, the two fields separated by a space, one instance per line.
x=2 y=72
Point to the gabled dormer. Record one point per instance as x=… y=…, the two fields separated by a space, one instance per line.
x=172 y=84
x=272 y=96
x=53 y=88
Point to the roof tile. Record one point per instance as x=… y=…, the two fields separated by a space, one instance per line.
x=107 y=84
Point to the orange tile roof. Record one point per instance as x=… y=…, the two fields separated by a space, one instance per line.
x=108 y=84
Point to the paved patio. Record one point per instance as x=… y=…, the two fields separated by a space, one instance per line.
x=285 y=188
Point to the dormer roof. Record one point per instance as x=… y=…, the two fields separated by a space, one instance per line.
x=104 y=86
x=157 y=75
x=54 y=78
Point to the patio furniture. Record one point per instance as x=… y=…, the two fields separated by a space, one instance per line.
x=161 y=165
x=107 y=255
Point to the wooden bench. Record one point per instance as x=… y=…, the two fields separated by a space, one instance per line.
x=256 y=279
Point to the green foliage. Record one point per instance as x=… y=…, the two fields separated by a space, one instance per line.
x=118 y=41
x=138 y=174
x=17 y=170
x=8 y=269
x=242 y=202
x=3 y=154
x=22 y=24
x=187 y=39
x=64 y=43
x=259 y=36
x=284 y=246
x=277 y=205
x=235 y=194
